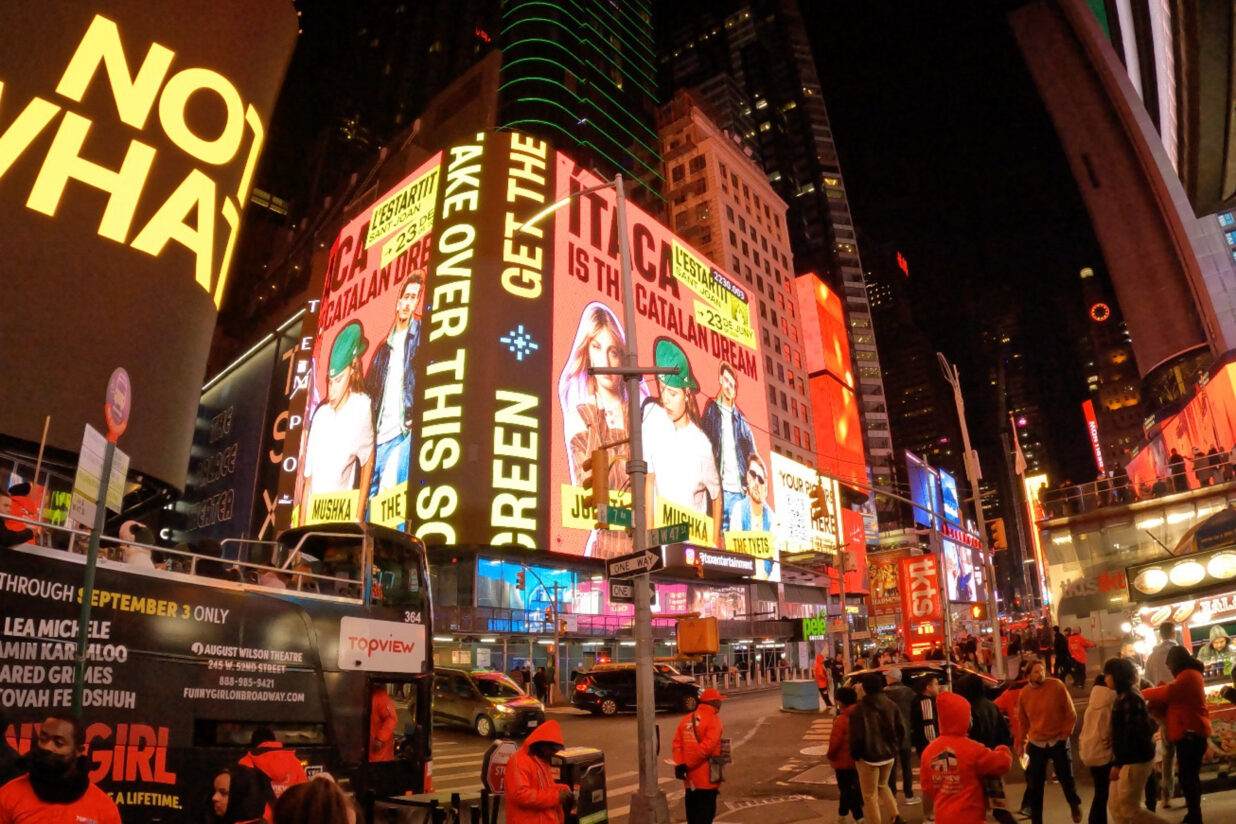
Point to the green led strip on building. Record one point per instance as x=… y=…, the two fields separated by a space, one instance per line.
x=656 y=172
x=582 y=100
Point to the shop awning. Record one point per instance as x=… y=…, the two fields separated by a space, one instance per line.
x=765 y=591
x=796 y=594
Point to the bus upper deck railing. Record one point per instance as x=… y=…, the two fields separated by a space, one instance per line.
x=211 y=570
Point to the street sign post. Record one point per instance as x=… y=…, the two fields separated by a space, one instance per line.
x=637 y=563
x=615 y=515
x=672 y=534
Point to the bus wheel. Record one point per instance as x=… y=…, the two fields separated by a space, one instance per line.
x=609 y=707
x=484 y=726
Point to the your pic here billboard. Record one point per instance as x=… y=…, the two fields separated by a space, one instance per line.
x=470 y=420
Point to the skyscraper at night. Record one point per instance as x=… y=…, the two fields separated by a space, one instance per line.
x=583 y=74
x=763 y=47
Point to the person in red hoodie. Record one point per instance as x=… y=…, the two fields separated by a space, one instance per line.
x=820 y=672
x=532 y=795
x=57 y=787
x=268 y=755
x=1183 y=702
x=383 y=719
x=1078 y=644
x=840 y=759
x=954 y=766
x=698 y=739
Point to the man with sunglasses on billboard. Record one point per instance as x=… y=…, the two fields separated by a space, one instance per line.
x=732 y=442
x=752 y=512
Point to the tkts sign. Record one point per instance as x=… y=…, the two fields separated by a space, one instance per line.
x=922 y=610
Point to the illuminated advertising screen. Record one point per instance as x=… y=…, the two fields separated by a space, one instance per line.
x=705 y=427
x=360 y=400
x=468 y=335
x=826 y=344
x=922 y=608
x=797 y=532
x=950 y=501
x=130 y=135
x=924 y=490
x=959 y=572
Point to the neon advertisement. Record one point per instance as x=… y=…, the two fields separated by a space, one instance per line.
x=705 y=428
x=796 y=531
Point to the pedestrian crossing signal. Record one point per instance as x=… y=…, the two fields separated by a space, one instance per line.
x=978 y=612
x=521 y=580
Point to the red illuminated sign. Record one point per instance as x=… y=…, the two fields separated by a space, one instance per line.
x=1092 y=431
x=922 y=610
x=1100 y=312
x=903 y=264
x=960 y=536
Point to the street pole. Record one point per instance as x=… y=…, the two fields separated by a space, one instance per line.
x=842 y=563
x=92 y=562
x=1019 y=522
x=553 y=682
x=972 y=471
x=649 y=805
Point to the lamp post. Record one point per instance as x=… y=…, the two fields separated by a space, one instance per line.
x=973 y=472
x=648 y=805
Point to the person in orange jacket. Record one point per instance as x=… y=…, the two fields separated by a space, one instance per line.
x=954 y=765
x=383 y=719
x=532 y=795
x=1078 y=644
x=268 y=755
x=57 y=787
x=820 y=672
x=697 y=739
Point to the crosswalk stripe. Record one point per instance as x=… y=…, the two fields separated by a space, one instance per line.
x=471 y=756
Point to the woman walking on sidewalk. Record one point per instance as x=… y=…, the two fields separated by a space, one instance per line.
x=1095 y=745
x=1132 y=746
x=1183 y=702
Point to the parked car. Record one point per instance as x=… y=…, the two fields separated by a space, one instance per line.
x=911 y=671
x=607 y=689
x=488 y=702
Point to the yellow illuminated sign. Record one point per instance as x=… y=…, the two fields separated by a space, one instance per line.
x=333 y=506
x=578 y=511
x=720 y=308
x=389 y=507
x=756 y=544
x=409 y=213
x=196 y=211
x=701 y=525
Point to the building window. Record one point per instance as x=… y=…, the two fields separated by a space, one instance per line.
x=1231 y=238
x=697 y=164
x=1226 y=219
x=678 y=173
x=729 y=213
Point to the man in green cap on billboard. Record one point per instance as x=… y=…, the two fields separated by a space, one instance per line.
x=679 y=454
x=340 y=449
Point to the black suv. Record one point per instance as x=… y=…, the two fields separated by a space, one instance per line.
x=609 y=688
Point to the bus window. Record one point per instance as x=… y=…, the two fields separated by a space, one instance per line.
x=211 y=733
x=397 y=577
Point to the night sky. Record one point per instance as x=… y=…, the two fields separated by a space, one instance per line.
x=948 y=154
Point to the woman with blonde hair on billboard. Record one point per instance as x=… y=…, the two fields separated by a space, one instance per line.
x=594 y=410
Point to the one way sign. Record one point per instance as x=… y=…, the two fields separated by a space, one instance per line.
x=637 y=563
x=623 y=592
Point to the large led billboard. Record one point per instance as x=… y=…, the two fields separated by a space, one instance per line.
x=798 y=534
x=449 y=377
x=924 y=490
x=834 y=400
x=129 y=135
x=950 y=501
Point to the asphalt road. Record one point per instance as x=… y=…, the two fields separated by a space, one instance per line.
x=779 y=772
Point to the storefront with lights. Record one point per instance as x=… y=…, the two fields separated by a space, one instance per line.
x=1197 y=591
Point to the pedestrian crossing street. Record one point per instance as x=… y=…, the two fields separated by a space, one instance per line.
x=457 y=768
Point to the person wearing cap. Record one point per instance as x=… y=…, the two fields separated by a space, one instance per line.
x=678 y=452
x=532 y=795
x=340 y=449
x=391 y=382
x=696 y=741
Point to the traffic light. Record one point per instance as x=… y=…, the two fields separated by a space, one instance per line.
x=521 y=580
x=978 y=612
x=819 y=503
x=596 y=477
x=996 y=536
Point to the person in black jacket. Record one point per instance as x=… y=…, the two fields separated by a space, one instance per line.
x=987 y=724
x=924 y=723
x=877 y=734
x=1132 y=745
x=904 y=698
x=1060 y=649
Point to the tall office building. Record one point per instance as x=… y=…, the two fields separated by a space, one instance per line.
x=762 y=46
x=1115 y=402
x=583 y=74
x=721 y=202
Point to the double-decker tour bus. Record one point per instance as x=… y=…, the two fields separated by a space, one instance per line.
x=190 y=652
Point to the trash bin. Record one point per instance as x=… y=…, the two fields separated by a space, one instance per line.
x=800 y=696
x=584 y=767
